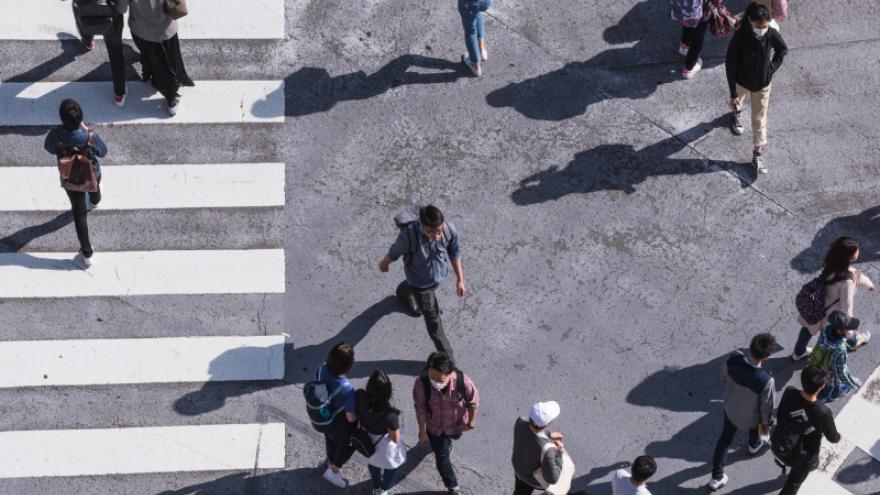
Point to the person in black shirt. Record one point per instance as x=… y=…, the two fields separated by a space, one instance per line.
x=820 y=420
x=382 y=422
x=750 y=70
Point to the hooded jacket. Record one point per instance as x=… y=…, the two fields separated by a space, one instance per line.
x=749 y=62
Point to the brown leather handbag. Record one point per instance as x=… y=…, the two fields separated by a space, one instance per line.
x=76 y=168
x=175 y=8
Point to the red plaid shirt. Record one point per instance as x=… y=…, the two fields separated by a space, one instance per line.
x=449 y=414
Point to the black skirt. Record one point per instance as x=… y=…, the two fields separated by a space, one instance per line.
x=163 y=65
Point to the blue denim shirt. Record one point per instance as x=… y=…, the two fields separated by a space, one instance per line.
x=428 y=265
x=71 y=139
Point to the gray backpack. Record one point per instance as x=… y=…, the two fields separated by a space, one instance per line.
x=408 y=219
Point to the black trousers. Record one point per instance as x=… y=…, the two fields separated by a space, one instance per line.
x=338 y=441
x=80 y=213
x=163 y=64
x=426 y=299
x=693 y=38
x=796 y=478
x=521 y=487
x=113 y=41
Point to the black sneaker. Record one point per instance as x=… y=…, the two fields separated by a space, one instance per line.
x=736 y=122
x=758 y=162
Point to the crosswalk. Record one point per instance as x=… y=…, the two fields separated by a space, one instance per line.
x=63 y=366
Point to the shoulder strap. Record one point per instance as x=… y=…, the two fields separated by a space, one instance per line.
x=91 y=139
x=426 y=384
x=460 y=386
x=546 y=448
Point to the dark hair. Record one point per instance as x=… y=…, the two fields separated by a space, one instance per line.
x=431 y=217
x=379 y=392
x=71 y=114
x=757 y=12
x=441 y=362
x=839 y=257
x=643 y=468
x=340 y=359
x=762 y=346
x=813 y=378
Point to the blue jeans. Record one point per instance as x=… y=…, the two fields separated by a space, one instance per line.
x=724 y=441
x=441 y=445
x=472 y=19
x=383 y=479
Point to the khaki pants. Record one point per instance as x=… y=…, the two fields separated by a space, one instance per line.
x=759 y=104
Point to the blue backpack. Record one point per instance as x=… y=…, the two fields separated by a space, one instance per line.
x=319 y=403
x=688 y=13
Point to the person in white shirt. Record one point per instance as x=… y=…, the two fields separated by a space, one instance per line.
x=625 y=483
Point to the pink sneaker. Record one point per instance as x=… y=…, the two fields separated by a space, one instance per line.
x=687 y=74
x=119 y=101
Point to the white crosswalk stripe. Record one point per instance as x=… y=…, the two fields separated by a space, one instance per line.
x=130 y=273
x=207 y=19
x=184 y=361
x=141 y=450
x=139 y=187
x=208 y=102
x=157 y=360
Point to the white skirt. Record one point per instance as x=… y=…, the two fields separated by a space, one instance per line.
x=389 y=455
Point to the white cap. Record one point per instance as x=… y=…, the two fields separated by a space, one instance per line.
x=543 y=413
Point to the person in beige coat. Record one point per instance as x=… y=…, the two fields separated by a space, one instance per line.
x=155 y=34
x=842 y=281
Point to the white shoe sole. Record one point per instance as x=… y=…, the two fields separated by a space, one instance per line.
x=476 y=72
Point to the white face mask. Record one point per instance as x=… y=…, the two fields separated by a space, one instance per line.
x=760 y=31
x=438 y=386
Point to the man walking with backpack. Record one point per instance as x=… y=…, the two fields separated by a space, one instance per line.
x=104 y=18
x=428 y=245
x=802 y=421
x=748 y=402
x=755 y=53
x=446 y=406
x=79 y=147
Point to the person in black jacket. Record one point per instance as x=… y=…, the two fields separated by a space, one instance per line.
x=755 y=53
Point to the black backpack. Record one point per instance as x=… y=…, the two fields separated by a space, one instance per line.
x=95 y=17
x=787 y=440
x=319 y=404
x=459 y=387
x=810 y=300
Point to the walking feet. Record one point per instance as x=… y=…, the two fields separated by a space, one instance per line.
x=718 y=484
x=82 y=260
x=798 y=357
x=335 y=477
x=683 y=49
x=172 y=106
x=736 y=122
x=758 y=161
x=687 y=74
x=473 y=67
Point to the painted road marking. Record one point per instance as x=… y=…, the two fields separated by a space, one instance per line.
x=154 y=360
x=27 y=454
x=141 y=187
x=207 y=19
x=130 y=273
x=208 y=102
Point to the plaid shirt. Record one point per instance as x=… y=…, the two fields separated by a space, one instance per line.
x=837 y=364
x=449 y=414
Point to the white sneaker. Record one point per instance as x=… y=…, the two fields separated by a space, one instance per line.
x=687 y=74
x=683 y=49
x=718 y=484
x=82 y=261
x=475 y=70
x=172 y=107
x=796 y=357
x=754 y=450
x=484 y=54
x=335 y=477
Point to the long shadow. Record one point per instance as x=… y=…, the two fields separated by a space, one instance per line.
x=583 y=482
x=312 y=90
x=567 y=92
x=620 y=167
x=693 y=389
x=17 y=240
x=864 y=226
x=299 y=364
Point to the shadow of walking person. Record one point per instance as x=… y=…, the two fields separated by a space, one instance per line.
x=864 y=226
x=18 y=240
x=567 y=92
x=312 y=90
x=620 y=167
x=299 y=364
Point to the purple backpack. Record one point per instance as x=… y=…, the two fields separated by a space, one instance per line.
x=688 y=13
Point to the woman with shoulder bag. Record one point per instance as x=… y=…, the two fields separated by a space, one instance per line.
x=842 y=281
x=382 y=423
x=154 y=32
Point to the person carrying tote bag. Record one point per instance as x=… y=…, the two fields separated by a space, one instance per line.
x=563 y=485
x=539 y=460
x=381 y=422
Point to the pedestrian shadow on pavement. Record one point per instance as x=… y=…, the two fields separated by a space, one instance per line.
x=695 y=389
x=634 y=72
x=17 y=240
x=864 y=226
x=620 y=167
x=300 y=364
x=313 y=90
x=863 y=471
x=583 y=482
